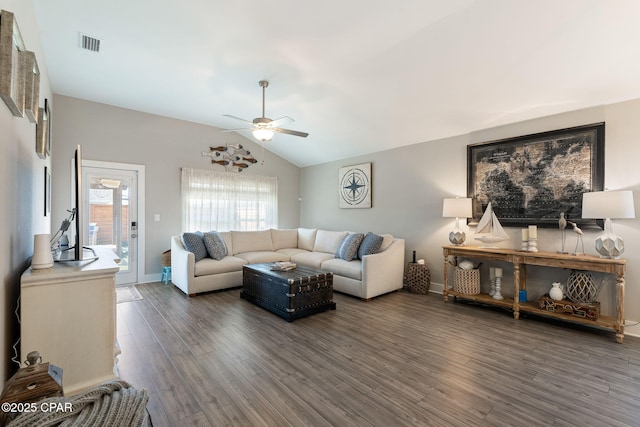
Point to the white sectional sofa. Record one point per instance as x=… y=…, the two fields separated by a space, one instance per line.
x=373 y=275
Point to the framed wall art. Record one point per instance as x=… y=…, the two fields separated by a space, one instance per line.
x=47 y=113
x=43 y=140
x=354 y=186
x=11 y=80
x=47 y=191
x=530 y=179
x=31 y=75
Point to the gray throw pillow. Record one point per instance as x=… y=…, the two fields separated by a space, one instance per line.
x=348 y=248
x=215 y=245
x=193 y=242
x=370 y=245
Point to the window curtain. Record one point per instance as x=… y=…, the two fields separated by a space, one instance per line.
x=228 y=201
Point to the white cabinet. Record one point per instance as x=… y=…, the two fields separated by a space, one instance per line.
x=68 y=314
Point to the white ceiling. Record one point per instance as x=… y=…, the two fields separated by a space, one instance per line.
x=359 y=75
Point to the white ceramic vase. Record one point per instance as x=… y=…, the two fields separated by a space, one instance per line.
x=556 y=291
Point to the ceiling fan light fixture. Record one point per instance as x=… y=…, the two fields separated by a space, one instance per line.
x=263 y=135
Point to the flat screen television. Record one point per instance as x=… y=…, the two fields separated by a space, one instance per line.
x=77 y=252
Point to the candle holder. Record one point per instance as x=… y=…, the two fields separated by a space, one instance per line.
x=525 y=245
x=492 y=279
x=497 y=294
x=533 y=245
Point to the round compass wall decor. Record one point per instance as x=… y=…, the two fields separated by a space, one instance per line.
x=354 y=186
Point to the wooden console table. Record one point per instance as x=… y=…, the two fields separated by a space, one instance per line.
x=519 y=260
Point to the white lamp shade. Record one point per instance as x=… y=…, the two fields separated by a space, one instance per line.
x=608 y=204
x=458 y=207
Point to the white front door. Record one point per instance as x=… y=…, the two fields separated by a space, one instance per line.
x=110 y=211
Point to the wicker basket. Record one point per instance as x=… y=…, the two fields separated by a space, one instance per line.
x=466 y=281
x=418 y=278
x=165 y=261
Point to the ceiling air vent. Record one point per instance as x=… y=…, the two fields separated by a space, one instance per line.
x=89 y=43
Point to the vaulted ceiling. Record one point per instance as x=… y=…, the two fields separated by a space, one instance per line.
x=359 y=76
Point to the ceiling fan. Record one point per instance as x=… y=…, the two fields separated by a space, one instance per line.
x=264 y=128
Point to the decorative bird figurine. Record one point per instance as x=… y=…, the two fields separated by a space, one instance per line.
x=562 y=223
x=579 y=240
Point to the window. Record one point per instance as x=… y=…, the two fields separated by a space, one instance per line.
x=227 y=201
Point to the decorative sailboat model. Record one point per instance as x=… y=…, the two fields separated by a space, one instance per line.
x=489 y=229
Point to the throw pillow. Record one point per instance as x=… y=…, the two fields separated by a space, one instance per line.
x=193 y=243
x=370 y=245
x=348 y=249
x=387 y=240
x=214 y=243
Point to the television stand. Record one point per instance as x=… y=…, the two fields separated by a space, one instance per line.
x=68 y=314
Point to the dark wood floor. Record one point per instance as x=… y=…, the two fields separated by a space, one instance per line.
x=400 y=359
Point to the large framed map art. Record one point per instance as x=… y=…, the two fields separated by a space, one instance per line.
x=530 y=179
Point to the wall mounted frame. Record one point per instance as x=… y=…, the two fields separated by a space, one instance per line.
x=31 y=75
x=354 y=186
x=11 y=73
x=43 y=139
x=530 y=179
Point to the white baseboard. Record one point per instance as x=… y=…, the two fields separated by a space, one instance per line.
x=633 y=330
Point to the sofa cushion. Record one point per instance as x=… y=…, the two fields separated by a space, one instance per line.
x=258 y=257
x=351 y=269
x=227 y=264
x=215 y=245
x=193 y=242
x=291 y=251
x=328 y=241
x=387 y=240
x=306 y=238
x=284 y=238
x=348 y=249
x=370 y=244
x=251 y=241
x=311 y=259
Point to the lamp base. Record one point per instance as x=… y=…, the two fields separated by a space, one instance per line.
x=609 y=245
x=457 y=237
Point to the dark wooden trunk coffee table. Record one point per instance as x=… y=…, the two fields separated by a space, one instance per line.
x=289 y=294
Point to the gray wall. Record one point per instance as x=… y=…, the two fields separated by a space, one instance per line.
x=410 y=183
x=21 y=191
x=163 y=146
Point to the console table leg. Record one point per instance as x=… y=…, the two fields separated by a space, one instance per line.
x=445 y=292
x=516 y=289
x=619 y=309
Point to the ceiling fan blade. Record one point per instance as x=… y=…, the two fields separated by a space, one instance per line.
x=281 y=120
x=290 y=132
x=238 y=118
x=235 y=130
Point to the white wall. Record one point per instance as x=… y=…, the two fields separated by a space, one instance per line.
x=21 y=190
x=409 y=184
x=164 y=146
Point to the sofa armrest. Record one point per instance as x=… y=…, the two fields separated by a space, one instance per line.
x=183 y=266
x=383 y=272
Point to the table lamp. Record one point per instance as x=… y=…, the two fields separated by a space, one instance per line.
x=458 y=207
x=607 y=205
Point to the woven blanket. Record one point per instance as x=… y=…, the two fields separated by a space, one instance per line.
x=114 y=403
